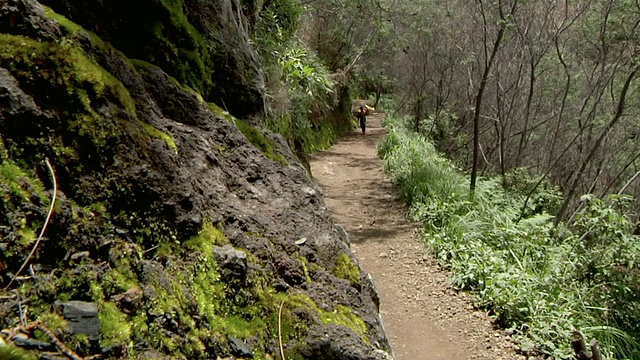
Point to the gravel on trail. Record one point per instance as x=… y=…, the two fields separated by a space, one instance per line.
x=424 y=317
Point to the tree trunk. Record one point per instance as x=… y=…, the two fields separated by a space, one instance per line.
x=483 y=84
x=578 y=174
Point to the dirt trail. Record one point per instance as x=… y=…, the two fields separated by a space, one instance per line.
x=424 y=317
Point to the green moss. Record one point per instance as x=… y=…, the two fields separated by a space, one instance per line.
x=141 y=64
x=27 y=235
x=15 y=182
x=53 y=321
x=11 y=352
x=260 y=141
x=255 y=137
x=115 y=326
x=305 y=268
x=344 y=316
x=17 y=188
x=188 y=89
x=76 y=68
x=159 y=134
x=206 y=239
x=69 y=77
x=221 y=112
x=346 y=269
x=114 y=282
x=341 y=315
x=191 y=63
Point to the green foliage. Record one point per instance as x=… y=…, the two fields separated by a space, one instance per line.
x=541 y=286
x=304 y=74
x=301 y=95
x=539 y=194
x=278 y=23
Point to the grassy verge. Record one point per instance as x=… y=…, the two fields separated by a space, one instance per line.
x=542 y=282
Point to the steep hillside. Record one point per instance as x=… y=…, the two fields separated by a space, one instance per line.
x=174 y=234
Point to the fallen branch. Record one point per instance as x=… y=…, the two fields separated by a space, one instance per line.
x=44 y=227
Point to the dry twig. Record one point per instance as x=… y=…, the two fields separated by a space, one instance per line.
x=44 y=227
x=280 y=327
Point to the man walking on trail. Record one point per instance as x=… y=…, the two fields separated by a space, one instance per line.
x=362 y=118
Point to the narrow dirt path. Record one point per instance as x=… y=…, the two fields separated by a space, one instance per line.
x=424 y=317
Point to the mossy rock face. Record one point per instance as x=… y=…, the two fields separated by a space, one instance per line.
x=150 y=180
x=197 y=42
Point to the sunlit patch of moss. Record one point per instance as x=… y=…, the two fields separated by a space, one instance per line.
x=159 y=134
x=344 y=316
x=96 y=207
x=221 y=112
x=193 y=61
x=16 y=180
x=3 y=152
x=27 y=236
x=141 y=64
x=80 y=341
x=206 y=239
x=53 y=321
x=115 y=326
x=17 y=188
x=305 y=268
x=142 y=333
x=346 y=269
x=72 y=60
x=237 y=327
x=188 y=89
x=255 y=137
x=115 y=282
x=71 y=77
x=341 y=315
x=11 y=352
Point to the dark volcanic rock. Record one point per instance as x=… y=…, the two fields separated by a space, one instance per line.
x=240 y=348
x=200 y=43
x=333 y=342
x=32 y=344
x=232 y=262
x=22 y=17
x=13 y=101
x=83 y=317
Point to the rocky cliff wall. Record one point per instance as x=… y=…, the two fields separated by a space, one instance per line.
x=187 y=239
x=203 y=44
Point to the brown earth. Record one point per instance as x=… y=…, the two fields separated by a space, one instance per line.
x=424 y=317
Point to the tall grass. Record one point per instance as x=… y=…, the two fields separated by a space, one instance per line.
x=542 y=286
